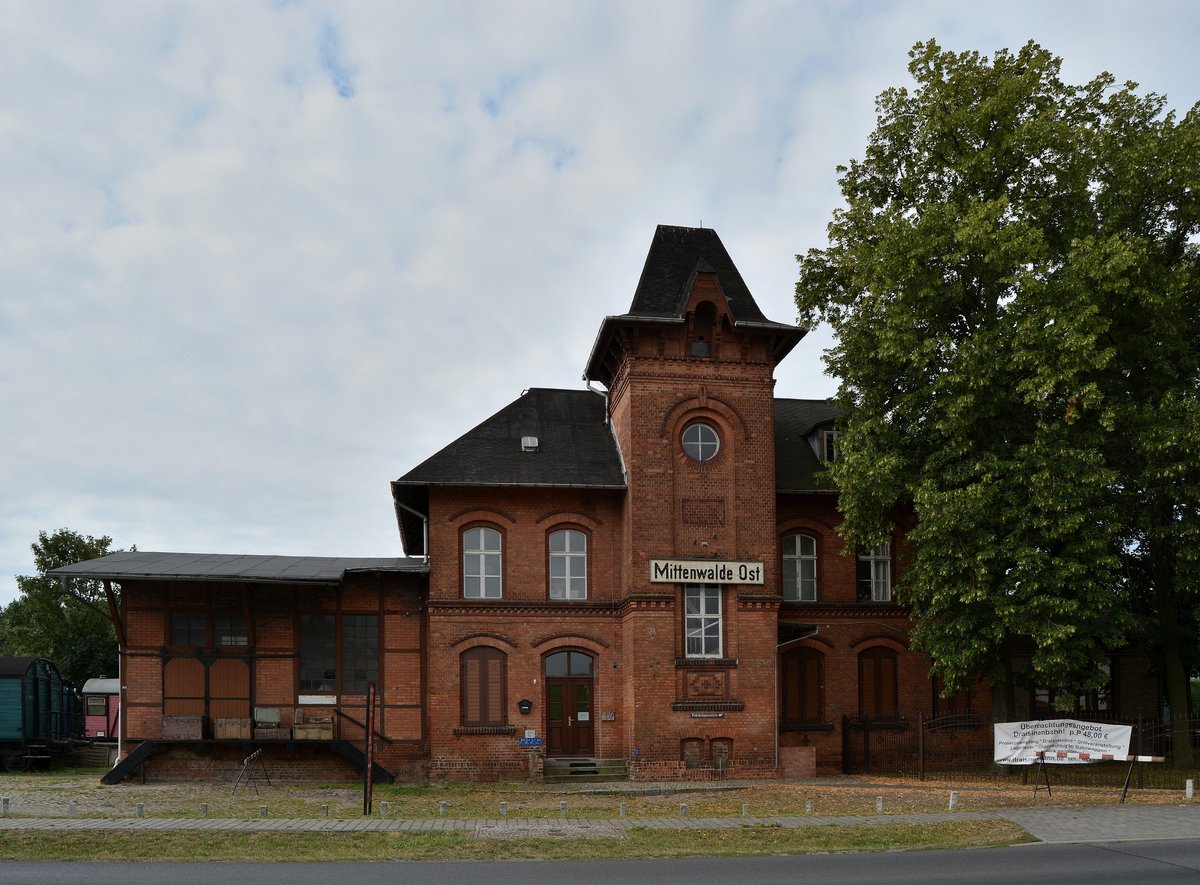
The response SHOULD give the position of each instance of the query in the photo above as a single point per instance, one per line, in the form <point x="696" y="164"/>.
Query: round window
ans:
<point x="700" y="441"/>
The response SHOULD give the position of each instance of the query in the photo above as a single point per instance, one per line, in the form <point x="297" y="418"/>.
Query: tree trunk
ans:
<point x="1175" y="674"/>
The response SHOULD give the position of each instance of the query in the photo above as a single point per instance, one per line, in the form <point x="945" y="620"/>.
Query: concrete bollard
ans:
<point x="71" y="809"/>
<point x="562" y="809"/>
<point x="383" y="809"/>
<point x="441" y="809"/>
<point x="808" y="807"/>
<point x="953" y="800"/>
<point x="683" y="809"/>
<point x="745" y="809"/>
<point x="621" y="811"/>
<point x="879" y="805"/>
<point x="4" y="806"/>
<point x="204" y="809"/>
<point x="325" y="811"/>
<point x="1187" y="789"/>
<point x="262" y="811"/>
<point x="504" y="809"/>
<point x="141" y="809"/>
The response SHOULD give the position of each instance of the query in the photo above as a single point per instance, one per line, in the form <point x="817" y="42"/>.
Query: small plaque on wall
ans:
<point x="329" y="699"/>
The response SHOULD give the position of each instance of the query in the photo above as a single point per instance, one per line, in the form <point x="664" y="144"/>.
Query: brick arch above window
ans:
<point x="888" y="640"/>
<point x="588" y="643"/>
<point x="479" y="636"/>
<point x="482" y="516"/>
<point x="704" y="408"/>
<point x="568" y="519"/>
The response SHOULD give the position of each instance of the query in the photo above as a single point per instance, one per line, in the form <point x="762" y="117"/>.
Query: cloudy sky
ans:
<point x="257" y="259"/>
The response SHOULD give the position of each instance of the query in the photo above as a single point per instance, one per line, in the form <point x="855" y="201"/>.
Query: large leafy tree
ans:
<point x="70" y="626"/>
<point x="1014" y="281"/>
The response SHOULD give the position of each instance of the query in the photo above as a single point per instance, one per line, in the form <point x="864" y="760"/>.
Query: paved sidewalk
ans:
<point x="1120" y="823"/>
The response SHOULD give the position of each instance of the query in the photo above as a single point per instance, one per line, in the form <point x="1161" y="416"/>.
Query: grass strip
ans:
<point x="635" y="843"/>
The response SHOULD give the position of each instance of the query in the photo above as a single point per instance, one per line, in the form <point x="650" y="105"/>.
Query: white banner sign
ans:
<point x="705" y="571"/>
<point x="1018" y="743"/>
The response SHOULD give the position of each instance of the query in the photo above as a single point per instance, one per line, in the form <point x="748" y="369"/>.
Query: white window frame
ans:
<point x="700" y="441"/>
<point x="568" y="566"/>
<point x="703" y="623"/>
<point x="830" y="445"/>
<point x="879" y="561"/>
<point x="798" y="586"/>
<point x="483" y="563"/>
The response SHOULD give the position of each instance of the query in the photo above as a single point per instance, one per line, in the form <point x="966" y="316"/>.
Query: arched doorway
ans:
<point x="569" y="692"/>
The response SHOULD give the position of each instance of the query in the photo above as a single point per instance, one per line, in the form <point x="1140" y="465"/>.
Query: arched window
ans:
<point x="568" y="564"/>
<point x="800" y="568"/>
<point x="802" y="687"/>
<point x="481" y="563"/>
<point x="878" y="683"/>
<point x="484" y="687"/>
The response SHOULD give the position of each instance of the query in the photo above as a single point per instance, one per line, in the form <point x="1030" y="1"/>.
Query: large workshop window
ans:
<point x="360" y="651"/>
<point x="319" y="655"/>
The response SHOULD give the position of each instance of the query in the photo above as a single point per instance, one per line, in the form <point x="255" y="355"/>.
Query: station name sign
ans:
<point x="705" y="571"/>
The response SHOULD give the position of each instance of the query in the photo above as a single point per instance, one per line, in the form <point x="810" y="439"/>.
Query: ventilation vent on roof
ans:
<point x="529" y="443"/>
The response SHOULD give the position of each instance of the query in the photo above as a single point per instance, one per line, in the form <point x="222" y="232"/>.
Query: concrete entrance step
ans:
<point x="583" y="769"/>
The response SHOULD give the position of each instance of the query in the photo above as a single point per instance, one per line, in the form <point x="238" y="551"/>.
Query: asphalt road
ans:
<point x="1064" y="864"/>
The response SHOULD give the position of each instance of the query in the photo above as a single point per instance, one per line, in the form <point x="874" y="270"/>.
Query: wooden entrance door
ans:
<point x="569" y="713"/>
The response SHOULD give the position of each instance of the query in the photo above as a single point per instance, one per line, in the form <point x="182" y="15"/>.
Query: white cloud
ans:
<point x="261" y="258"/>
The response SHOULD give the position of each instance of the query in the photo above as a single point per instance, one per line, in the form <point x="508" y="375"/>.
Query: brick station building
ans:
<point x="645" y="571"/>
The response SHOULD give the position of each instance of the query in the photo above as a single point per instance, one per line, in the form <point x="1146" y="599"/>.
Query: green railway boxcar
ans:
<point x="37" y="711"/>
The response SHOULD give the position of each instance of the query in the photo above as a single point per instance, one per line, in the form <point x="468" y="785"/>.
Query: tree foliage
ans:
<point x="71" y="629"/>
<point x="1014" y="281"/>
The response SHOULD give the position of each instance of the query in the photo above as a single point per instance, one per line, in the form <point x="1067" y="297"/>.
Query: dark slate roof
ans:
<point x="575" y="446"/>
<point x="224" y="567"/>
<point x="676" y="253"/>
<point x="797" y="468"/>
<point x="575" y="449"/>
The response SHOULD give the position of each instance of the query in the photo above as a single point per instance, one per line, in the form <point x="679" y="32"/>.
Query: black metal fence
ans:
<point x="946" y="747"/>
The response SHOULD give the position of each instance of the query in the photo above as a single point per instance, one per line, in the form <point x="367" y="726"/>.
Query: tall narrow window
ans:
<point x="875" y="574"/>
<point x="318" y="653"/>
<point x="568" y="564"/>
<point x="481" y="564"/>
<point x="802" y="688"/>
<point x="702" y="616"/>
<point x="800" y="568"/>
<point x="878" y="685"/>
<point x="360" y="651"/>
<point x="831" y="445"/>
<point x="483" y="687"/>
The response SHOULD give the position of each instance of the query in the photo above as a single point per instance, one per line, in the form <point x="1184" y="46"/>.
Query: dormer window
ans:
<point x="703" y="321"/>
<point x="830" y="445"/>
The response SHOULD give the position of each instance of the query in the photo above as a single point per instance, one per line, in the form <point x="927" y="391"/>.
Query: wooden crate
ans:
<point x="313" y="731"/>
<point x="231" y="729"/>
<point x="183" y="728"/>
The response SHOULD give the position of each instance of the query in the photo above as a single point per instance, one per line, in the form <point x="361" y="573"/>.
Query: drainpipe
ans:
<point x="424" y="530"/>
<point x="603" y="393"/>
<point x="815" y="630"/>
